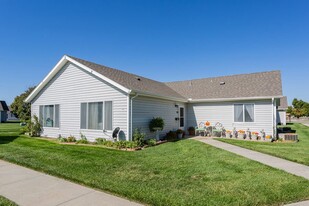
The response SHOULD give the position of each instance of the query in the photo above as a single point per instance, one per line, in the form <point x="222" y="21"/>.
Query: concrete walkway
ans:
<point x="27" y="187"/>
<point x="288" y="166"/>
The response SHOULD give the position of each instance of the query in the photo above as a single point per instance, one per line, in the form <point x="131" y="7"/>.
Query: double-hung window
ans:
<point x="243" y="112"/>
<point x="49" y="115"/>
<point x="96" y="115"/>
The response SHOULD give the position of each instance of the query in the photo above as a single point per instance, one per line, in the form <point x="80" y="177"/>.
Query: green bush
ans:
<point x="156" y="122"/>
<point x="33" y="127"/>
<point x="63" y="139"/>
<point x="139" y="137"/>
<point x="120" y="144"/>
<point x="151" y="142"/>
<point x="131" y="144"/>
<point x="100" y="141"/>
<point x="82" y="140"/>
<point x="109" y="144"/>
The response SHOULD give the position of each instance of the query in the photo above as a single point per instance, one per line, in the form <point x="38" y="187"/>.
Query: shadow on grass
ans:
<point x="8" y="139"/>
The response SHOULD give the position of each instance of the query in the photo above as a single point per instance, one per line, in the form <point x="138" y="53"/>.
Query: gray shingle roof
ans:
<point x="131" y="81"/>
<point x="262" y="84"/>
<point x="283" y="103"/>
<point x="3" y="106"/>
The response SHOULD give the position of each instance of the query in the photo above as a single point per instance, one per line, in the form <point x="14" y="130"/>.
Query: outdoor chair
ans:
<point x="217" y="129"/>
<point x="200" y="128"/>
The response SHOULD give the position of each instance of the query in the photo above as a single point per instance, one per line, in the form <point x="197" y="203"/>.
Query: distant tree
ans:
<point x="21" y="109"/>
<point x="289" y="110"/>
<point x="300" y="108"/>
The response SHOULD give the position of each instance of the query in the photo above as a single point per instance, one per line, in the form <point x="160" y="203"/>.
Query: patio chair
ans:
<point x="217" y="129"/>
<point x="200" y="128"/>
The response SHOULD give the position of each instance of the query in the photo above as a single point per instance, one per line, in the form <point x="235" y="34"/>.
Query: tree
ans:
<point x="300" y="108"/>
<point x="21" y="109"/>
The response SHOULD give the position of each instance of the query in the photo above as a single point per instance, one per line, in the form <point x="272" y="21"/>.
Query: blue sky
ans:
<point x="162" y="40"/>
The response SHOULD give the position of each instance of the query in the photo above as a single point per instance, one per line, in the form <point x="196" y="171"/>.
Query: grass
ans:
<point x="186" y="172"/>
<point x="6" y="202"/>
<point x="297" y="152"/>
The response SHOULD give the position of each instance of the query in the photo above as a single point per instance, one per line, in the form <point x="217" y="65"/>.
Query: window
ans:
<point x="93" y="113"/>
<point x="49" y="115"/>
<point x="181" y="117"/>
<point x="243" y="112"/>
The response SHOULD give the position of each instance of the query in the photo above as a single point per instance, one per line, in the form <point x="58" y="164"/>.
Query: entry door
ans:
<point x="181" y="117"/>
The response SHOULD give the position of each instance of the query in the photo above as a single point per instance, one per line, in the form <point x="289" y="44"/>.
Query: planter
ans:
<point x="179" y="135"/>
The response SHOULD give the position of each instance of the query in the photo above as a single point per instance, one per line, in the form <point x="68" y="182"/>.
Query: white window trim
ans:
<point x="103" y="117"/>
<point x="243" y="109"/>
<point x="54" y="116"/>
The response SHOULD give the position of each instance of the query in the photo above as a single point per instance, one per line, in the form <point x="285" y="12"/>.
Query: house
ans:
<point x="81" y="97"/>
<point x="11" y="116"/>
<point x="281" y="111"/>
<point x="3" y="111"/>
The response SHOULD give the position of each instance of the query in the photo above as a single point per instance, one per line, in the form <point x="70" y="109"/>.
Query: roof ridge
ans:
<point x="108" y="67"/>
<point x="232" y="75"/>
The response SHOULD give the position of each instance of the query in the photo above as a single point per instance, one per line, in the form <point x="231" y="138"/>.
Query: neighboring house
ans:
<point x="11" y="116"/>
<point x="3" y="111"/>
<point x="79" y="96"/>
<point x="281" y="111"/>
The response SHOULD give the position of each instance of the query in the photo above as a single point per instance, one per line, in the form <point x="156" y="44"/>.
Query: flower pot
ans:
<point x="179" y="135"/>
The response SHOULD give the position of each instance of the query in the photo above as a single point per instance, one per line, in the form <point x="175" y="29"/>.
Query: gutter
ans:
<point x="190" y="100"/>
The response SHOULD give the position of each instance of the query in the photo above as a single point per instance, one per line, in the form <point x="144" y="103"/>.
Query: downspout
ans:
<point x="131" y="118"/>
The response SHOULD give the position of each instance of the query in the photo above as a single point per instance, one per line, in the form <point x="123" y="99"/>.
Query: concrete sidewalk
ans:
<point x="28" y="187"/>
<point x="288" y="166"/>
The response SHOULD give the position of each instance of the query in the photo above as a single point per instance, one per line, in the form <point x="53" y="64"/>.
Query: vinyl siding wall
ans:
<point x="223" y="112"/>
<point x="145" y="108"/>
<point x="69" y="88"/>
<point x="281" y="117"/>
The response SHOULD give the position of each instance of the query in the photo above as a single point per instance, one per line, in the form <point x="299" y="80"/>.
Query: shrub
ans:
<point x="151" y="142"/>
<point x="131" y="144"/>
<point x="156" y="122"/>
<point x="34" y="127"/>
<point x="63" y="139"/>
<point x="82" y="140"/>
<point x="108" y="143"/>
<point x="100" y="141"/>
<point x="179" y="131"/>
<point x="71" y="138"/>
<point x="171" y="135"/>
<point x="120" y="144"/>
<point x="139" y="137"/>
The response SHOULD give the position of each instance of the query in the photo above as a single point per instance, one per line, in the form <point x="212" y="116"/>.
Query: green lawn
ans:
<point x="6" y="202"/>
<point x="297" y="152"/>
<point x="186" y="172"/>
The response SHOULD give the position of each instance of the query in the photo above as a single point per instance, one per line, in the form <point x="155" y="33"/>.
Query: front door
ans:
<point x="181" y="117"/>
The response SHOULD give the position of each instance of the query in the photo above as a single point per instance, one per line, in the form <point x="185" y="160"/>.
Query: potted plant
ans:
<point x="241" y="134"/>
<point x="228" y="133"/>
<point x="254" y="135"/>
<point x="179" y="133"/>
<point x="191" y="131"/>
<point x="156" y="124"/>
